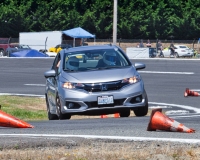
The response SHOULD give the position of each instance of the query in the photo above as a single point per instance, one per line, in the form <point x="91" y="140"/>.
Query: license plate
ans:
<point x="105" y="100"/>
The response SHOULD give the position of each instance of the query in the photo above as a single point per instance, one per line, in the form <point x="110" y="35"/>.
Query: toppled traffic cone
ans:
<point x="190" y="93"/>
<point x="159" y="121"/>
<point x="116" y="115"/>
<point x="104" y="116"/>
<point x="7" y="120"/>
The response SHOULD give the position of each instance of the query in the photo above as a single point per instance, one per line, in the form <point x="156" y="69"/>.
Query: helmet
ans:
<point x="109" y="58"/>
<point x="72" y="63"/>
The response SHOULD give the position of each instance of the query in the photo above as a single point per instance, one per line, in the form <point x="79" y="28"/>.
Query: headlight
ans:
<point x="70" y="85"/>
<point x="132" y="80"/>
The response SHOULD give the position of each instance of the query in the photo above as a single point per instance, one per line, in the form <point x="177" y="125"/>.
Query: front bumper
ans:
<point x="131" y="96"/>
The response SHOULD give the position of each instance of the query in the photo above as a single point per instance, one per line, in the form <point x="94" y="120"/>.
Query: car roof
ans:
<point x="180" y="45"/>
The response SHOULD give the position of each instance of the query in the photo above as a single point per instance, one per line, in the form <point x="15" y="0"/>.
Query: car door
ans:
<point x="166" y="52"/>
<point x="181" y="50"/>
<point x="52" y="85"/>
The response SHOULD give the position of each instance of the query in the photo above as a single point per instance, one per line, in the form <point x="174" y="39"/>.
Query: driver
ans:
<point x="109" y="58"/>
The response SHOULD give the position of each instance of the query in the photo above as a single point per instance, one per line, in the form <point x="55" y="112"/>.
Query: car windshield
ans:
<point x="95" y="60"/>
<point x="25" y="46"/>
<point x="183" y="47"/>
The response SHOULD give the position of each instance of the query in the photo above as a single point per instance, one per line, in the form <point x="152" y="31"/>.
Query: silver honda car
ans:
<point x="94" y="80"/>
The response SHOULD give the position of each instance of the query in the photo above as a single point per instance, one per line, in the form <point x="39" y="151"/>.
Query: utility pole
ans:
<point x="115" y="22"/>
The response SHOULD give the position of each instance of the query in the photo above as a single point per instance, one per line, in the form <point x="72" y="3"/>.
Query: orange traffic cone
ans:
<point x="190" y="93"/>
<point x="7" y="120"/>
<point x="116" y="115"/>
<point x="162" y="122"/>
<point x="104" y="116"/>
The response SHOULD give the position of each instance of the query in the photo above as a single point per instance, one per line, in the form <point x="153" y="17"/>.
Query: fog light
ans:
<point x="70" y="105"/>
<point x="138" y="99"/>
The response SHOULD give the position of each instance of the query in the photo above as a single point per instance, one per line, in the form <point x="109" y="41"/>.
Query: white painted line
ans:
<point x="194" y="90"/>
<point x="187" y="116"/>
<point x="166" y="72"/>
<point x="28" y="57"/>
<point x="43" y="85"/>
<point x="16" y="94"/>
<point x="103" y="137"/>
<point x="197" y="110"/>
<point x="154" y="107"/>
<point x="175" y="112"/>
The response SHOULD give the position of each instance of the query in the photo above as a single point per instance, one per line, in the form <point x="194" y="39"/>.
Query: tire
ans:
<point x="1" y="53"/>
<point x="125" y="113"/>
<point x="176" y="55"/>
<point x="142" y="111"/>
<point x="58" y="107"/>
<point x="50" y="116"/>
<point x="42" y="50"/>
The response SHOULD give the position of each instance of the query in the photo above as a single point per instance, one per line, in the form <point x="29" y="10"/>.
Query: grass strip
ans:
<point x="34" y="108"/>
<point x="25" y="108"/>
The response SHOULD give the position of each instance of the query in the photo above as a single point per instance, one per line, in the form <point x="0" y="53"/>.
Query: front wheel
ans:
<point x="50" y="115"/>
<point x="61" y="116"/>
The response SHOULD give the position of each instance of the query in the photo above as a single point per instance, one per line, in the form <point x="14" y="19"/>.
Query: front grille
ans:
<point x="94" y="104"/>
<point x="105" y="86"/>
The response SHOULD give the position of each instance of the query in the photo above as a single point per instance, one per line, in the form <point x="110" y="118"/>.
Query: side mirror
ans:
<point x="139" y="66"/>
<point x="50" y="73"/>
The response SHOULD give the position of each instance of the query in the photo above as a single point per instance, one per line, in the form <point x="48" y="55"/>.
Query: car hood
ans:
<point x="99" y="75"/>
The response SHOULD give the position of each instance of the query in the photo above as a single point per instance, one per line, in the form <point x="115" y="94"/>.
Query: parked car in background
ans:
<point x="59" y="47"/>
<point x="94" y="80"/>
<point x="51" y="54"/>
<point x="4" y="44"/>
<point x="16" y="48"/>
<point x="180" y="51"/>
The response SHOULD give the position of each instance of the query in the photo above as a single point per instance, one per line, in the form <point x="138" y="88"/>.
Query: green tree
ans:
<point x="138" y="19"/>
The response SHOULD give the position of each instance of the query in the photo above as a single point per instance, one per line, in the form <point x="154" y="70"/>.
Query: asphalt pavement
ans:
<point x="165" y="82"/>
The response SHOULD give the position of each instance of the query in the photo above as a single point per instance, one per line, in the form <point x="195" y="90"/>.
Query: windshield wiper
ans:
<point x="109" y="67"/>
<point x="115" y="66"/>
<point x="67" y="69"/>
<point x="91" y="68"/>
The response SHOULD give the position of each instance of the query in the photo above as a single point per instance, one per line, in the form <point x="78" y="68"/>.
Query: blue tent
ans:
<point x="28" y="53"/>
<point x="78" y="33"/>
